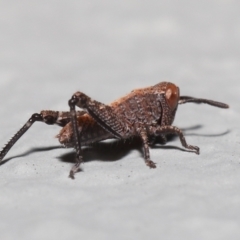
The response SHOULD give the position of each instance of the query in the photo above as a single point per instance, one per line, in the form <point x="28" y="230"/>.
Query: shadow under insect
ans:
<point x="114" y="150"/>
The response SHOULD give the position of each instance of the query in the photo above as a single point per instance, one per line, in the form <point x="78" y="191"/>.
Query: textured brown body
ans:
<point x="90" y="132"/>
<point x="141" y="108"/>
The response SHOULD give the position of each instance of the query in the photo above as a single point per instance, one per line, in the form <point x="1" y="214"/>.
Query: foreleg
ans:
<point x="173" y="130"/>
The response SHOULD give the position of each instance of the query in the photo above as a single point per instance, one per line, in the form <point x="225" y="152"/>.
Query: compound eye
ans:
<point x="172" y="95"/>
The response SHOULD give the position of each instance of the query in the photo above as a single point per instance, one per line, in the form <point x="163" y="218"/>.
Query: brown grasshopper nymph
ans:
<point x="145" y="113"/>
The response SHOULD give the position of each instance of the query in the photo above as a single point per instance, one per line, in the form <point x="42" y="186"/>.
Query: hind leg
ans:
<point x="47" y="116"/>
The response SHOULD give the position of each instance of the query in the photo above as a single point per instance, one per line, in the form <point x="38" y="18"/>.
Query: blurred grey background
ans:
<point x="50" y="49"/>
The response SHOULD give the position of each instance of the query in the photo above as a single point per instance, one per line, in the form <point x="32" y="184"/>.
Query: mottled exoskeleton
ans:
<point x="145" y="112"/>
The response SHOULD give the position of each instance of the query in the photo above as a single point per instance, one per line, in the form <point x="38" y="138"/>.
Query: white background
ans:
<point x="50" y="49"/>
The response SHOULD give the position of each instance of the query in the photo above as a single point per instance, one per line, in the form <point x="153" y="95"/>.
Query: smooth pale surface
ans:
<point x="50" y="49"/>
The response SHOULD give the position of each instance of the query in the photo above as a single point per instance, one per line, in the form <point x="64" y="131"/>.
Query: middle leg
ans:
<point x="144" y="137"/>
